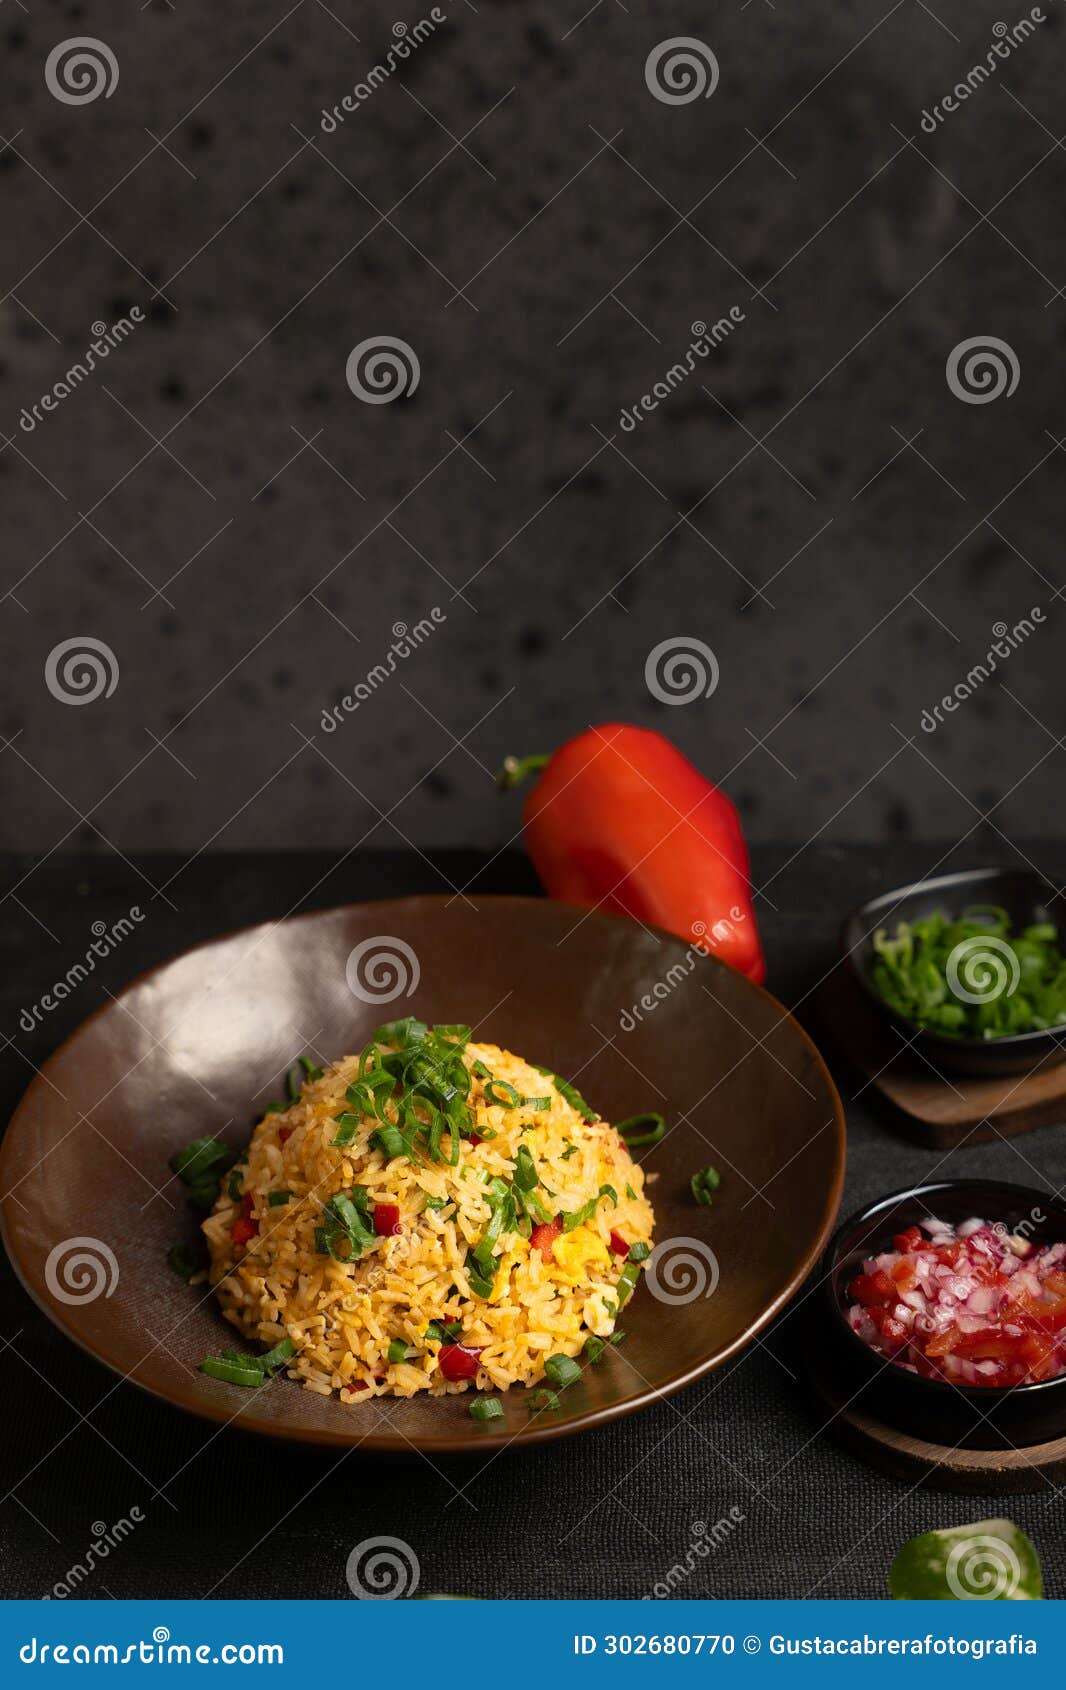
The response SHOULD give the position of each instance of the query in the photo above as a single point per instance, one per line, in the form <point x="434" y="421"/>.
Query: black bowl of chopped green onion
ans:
<point x="970" y="968"/>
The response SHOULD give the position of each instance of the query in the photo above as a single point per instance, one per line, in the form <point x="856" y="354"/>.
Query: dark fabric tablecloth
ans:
<point x="606" y="1514"/>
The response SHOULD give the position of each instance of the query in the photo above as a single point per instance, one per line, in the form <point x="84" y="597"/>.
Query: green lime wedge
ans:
<point x="990" y="1561"/>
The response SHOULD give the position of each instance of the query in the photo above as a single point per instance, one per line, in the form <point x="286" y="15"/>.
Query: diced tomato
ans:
<point x="241" y="1231"/>
<point x="912" y="1239"/>
<point x="387" y="1220"/>
<point x="458" y="1362"/>
<point x="950" y="1254"/>
<point x="893" y="1331"/>
<point x="904" y="1275"/>
<point x="869" y="1289"/>
<point x="543" y="1237"/>
<point x="474" y="1141"/>
<point x="618" y="1244"/>
<point x="247" y="1203"/>
<point x="283" y="1134"/>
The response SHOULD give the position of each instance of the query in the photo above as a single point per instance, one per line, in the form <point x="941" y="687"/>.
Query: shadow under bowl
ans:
<point x="1026" y="897"/>
<point x="955" y="1416"/>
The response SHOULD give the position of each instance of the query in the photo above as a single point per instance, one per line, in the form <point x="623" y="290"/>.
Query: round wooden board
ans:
<point x="1001" y="1472"/>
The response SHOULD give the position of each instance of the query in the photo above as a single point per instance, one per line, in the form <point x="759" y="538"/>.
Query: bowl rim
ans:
<point x="987" y="1393"/>
<point x="931" y="1035"/>
<point x="391" y="1442"/>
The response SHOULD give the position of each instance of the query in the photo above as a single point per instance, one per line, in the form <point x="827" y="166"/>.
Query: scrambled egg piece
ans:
<point x="577" y="1250"/>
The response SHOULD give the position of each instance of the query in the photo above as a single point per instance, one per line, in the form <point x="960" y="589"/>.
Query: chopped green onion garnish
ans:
<point x="275" y="1199"/>
<point x="486" y="1408"/>
<point x="538" y="1400"/>
<point x="639" y="1252"/>
<point x="571" y="1150"/>
<point x="569" y="1092"/>
<point x="398" y="1350"/>
<point x="509" y="1098"/>
<point x="182" y="1258"/>
<point x="525" y="1170"/>
<point x="594" y="1347"/>
<point x="309" y="1068"/>
<point x="630" y="1193"/>
<point x="705" y="1183"/>
<point x="436" y="1202"/>
<point x="627" y="1282"/>
<point x="200" y="1167"/>
<point x="278" y="1356"/>
<point x="641" y="1129"/>
<point x="562" y="1371"/>
<point x="232" y="1372"/>
<point x="347" y="1127"/>
<point x="443" y="1331"/>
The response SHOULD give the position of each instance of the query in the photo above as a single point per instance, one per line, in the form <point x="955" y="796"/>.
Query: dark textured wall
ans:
<point x="814" y="504"/>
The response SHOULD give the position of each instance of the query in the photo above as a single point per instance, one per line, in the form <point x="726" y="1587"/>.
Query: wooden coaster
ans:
<point x="940" y="1111"/>
<point x="1000" y="1472"/>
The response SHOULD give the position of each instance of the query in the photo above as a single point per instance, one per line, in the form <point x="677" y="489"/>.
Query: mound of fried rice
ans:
<point x="342" y="1315"/>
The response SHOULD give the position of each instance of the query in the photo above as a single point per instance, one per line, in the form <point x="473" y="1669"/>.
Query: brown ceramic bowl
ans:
<point x="196" y="1045"/>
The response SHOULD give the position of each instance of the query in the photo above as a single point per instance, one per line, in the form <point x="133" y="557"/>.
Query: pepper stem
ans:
<point x="516" y="769"/>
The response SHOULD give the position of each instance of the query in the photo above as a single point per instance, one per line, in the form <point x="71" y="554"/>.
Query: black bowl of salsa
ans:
<point x="942" y="1410"/>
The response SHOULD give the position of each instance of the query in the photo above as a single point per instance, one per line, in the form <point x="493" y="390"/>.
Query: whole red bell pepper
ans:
<point x="620" y="820"/>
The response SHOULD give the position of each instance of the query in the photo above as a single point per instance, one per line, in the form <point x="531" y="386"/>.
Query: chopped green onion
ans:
<point x="641" y="1129"/>
<point x="200" y="1167"/>
<point x="594" y="1348"/>
<point x="971" y="976"/>
<point x="182" y="1258"/>
<point x="627" y="1282"/>
<point x="630" y="1193"/>
<point x="705" y="1183"/>
<point x="278" y="1356"/>
<point x="562" y="1371"/>
<point x="569" y="1092"/>
<point x="391" y="1142"/>
<point x="444" y="1331"/>
<point x="231" y="1372"/>
<point x="275" y="1199"/>
<point x="347" y="1127"/>
<point x="486" y="1408"/>
<point x="571" y="1150"/>
<point x="436" y="1202"/>
<point x="309" y="1068"/>
<point x="510" y="1098"/>
<point x="525" y="1170"/>
<point x="398" y="1350"/>
<point x="538" y="1400"/>
<point x="639" y="1252"/>
<point x="578" y="1217"/>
